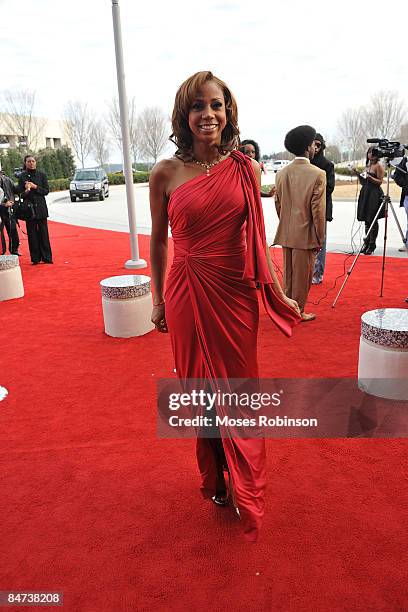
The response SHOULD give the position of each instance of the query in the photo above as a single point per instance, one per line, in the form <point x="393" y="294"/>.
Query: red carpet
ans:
<point x="94" y="505"/>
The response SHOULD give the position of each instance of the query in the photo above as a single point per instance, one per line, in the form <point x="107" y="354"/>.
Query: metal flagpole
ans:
<point x="135" y="262"/>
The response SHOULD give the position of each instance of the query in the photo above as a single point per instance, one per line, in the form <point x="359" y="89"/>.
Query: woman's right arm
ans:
<point x="158" y="240"/>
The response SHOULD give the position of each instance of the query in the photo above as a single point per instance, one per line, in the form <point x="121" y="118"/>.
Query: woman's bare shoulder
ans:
<point x="165" y="168"/>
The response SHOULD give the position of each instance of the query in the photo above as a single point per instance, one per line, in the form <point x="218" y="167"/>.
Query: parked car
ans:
<point x="89" y="183"/>
<point x="278" y="164"/>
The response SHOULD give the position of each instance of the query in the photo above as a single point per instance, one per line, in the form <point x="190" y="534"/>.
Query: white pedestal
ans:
<point x="11" y="283"/>
<point x="383" y="371"/>
<point x="383" y="356"/>
<point x="127" y="305"/>
<point x="127" y="318"/>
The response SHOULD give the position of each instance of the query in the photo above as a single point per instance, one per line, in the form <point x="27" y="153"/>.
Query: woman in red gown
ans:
<point x="209" y="193"/>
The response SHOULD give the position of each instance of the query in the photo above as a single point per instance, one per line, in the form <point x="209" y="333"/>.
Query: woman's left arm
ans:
<point x="378" y="179"/>
<point x="292" y="303"/>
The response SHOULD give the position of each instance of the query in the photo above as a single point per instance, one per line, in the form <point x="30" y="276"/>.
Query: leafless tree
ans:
<point x="153" y="128"/>
<point x="100" y="143"/>
<point x="403" y="134"/>
<point x="18" y="108"/>
<point x="113" y="120"/>
<point x="79" y="126"/>
<point x="351" y="131"/>
<point x="385" y="115"/>
<point x="333" y="153"/>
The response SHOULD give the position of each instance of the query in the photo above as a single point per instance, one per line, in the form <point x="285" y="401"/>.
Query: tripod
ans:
<point x="385" y="204"/>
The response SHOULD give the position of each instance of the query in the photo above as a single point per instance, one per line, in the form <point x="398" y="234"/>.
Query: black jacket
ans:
<point x="401" y="179"/>
<point x="35" y="196"/>
<point x="9" y="189"/>
<point x="325" y="164"/>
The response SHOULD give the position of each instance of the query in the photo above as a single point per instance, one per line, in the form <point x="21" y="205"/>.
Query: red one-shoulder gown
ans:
<point x="212" y="307"/>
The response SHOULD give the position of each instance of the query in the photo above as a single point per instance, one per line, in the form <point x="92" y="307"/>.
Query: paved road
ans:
<point x="112" y="215"/>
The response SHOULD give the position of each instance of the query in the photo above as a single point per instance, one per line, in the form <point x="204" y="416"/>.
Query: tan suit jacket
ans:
<point x="300" y="202"/>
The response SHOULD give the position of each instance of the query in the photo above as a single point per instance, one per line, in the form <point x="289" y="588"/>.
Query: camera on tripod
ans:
<point x="390" y="149"/>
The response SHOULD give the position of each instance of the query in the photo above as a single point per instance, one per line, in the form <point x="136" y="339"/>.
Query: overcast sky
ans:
<point x="288" y="61"/>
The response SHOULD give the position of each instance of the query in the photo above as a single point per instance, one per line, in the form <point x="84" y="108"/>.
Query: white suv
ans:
<point x="278" y="164"/>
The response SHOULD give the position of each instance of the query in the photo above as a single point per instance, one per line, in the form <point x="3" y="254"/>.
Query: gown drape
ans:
<point x="212" y="308"/>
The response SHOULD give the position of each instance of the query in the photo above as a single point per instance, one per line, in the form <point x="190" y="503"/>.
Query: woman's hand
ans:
<point x="272" y="191"/>
<point x="159" y="318"/>
<point x="291" y="303"/>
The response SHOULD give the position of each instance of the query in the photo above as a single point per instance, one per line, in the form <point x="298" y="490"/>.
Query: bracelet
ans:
<point x="160" y="303"/>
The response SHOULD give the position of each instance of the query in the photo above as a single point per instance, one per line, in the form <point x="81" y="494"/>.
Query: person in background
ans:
<point x="370" y="198"/>
<point x="320" y="161"/>
<point x="33" y="187"/>
<point x="300" y="202"/>
<point x="400" y="177"/>
<point x="251" y="148"/>
<point x="7" y="216"/>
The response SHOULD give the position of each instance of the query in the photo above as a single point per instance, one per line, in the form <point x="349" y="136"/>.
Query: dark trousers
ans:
<point x="10" y="224"/>
<point x="38" y="240"/>
<point x="372" y="237"/>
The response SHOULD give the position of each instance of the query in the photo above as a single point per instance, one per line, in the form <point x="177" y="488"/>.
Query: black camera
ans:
<point x="387" y="148"/>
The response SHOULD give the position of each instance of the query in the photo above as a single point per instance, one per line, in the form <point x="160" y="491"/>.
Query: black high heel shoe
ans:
<point x="221" y="497"/>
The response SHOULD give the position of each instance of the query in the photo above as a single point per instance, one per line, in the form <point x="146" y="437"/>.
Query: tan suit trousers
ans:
<point x="298" y="267"/>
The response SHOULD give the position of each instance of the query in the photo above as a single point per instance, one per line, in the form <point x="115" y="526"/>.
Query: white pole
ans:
<point x="135" y="262"/>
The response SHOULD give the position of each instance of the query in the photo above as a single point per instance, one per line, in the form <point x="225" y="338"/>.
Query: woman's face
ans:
<point x="317" y="146"/>
<point x="30" y="163"/>
<point x="371" y="157"/>
<point x="207" y="116"/>
<point x="249" y="150"/>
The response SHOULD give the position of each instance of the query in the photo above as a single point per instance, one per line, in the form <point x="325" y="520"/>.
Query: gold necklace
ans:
<point x="207" y="165"/>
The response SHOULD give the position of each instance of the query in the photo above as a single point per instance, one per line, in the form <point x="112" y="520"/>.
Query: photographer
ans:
<point x="401" y="179"/>
<point x="33" y="187"/>
<point x="7" y="215"/>
<point x="370" y="198"/>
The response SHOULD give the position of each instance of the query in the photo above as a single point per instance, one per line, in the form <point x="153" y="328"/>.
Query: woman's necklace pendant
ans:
<point x="207" y="166"/>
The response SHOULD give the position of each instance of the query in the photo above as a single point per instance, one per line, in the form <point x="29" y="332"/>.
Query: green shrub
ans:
<point x="141" y="177"/>
<point x="56" y="163"/>
<point x="346" y="171"/>
<point x="59" y="184"/>
<point x="116" y="179"/>
<point x="119" y="178"/>
<point x="10" y="159"/>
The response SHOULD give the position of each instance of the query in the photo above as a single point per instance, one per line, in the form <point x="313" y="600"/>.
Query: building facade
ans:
<point x="35" y="133"/>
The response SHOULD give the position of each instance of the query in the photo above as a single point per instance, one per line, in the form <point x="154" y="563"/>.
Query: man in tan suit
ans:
<point x="300" y="202"/>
